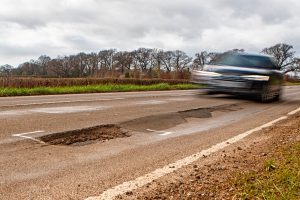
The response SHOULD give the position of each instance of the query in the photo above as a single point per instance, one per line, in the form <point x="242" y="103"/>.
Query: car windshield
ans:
<point x="244" y="61"/>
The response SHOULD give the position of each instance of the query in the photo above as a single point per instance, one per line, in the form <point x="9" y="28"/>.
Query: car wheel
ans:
<point x="277" y="96"/>
<point x="266" y="94"/>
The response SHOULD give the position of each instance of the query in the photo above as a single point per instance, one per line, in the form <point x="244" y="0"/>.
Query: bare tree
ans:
<point x="143" y="58"/>
<point x="283" y="54"/>
<point x="43" y="61"/>
<point x="166" y="59"/>
<point x="106" y="61"/>
<point x="30" y="68"/>
<point x="295" y="67"/>
<point x="200" y="60"/>
<point x="6" y="70"/>
<point x="158" y="59"/>
<point x="124" y="61"/>
<point x="181" y="61"/>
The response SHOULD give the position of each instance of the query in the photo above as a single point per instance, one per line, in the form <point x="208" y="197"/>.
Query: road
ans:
<point x="161" y="128"/>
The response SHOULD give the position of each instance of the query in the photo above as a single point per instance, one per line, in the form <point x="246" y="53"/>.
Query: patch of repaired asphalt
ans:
<point x="110" y="131"/>
<point x="169" y="120"/>
<point x="85" y="136"/>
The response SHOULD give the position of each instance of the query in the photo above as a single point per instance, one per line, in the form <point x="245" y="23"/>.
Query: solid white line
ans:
<point x="148" y="178"/>
<point x="31" y="138"/>
<point x="294" y="111"/>
<point x="27" y="133"/>
<point x="24" y="135"/>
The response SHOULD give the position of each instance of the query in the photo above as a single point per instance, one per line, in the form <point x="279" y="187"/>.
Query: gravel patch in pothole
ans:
<point x="85" y="136"/>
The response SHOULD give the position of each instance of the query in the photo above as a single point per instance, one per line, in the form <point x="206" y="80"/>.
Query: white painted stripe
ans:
<point x="57" y="102"/>
<point x="32" y="138"/>
<point x="150" y="102"/>
<point x="294" y="111"/>
<point x="25" y="135"/>
<point x="166" y="133"/>
<point x="163" y="133"/>
<point x="148" y="178"/>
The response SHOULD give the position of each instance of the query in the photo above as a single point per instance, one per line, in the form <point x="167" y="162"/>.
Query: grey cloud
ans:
<point x="61" y="27"/>
<point x="275" y="11"/>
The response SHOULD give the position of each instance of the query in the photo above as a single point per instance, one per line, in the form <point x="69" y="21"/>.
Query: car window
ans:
<point x="245" y="61"/>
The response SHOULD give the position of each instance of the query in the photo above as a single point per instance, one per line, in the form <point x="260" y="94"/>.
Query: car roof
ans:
<point x="252" y="54"/>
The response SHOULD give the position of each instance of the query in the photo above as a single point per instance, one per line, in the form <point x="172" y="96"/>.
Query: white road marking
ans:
<point x="294" y="111"/>
<point x="152" y="102"/>
<point x="67" y="109"/>
<point x="166" y="133"/>
<point x="53" y="110"/>
<point x="141" y="181"/>
<point x="179" y="99"/>
<point x="25" y="135"/>
<point x="57" y="102"/>
<point x="162" y="133"/>
<point x="13" y="112"/>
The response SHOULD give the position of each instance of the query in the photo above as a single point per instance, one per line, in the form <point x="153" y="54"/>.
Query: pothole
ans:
<point x="85" y="136"/>
<point x="169" y="120"/>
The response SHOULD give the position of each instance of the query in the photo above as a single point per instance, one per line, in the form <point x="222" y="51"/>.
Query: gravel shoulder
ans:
<point x="218" y="176"/>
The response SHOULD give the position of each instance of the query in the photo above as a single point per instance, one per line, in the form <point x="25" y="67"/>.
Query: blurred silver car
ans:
<point x="240" y="73"/>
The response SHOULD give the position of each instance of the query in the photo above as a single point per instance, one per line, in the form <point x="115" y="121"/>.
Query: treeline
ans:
<point x="140" y="63"/>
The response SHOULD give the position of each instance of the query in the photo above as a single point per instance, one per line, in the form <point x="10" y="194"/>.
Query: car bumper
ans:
<point x="230" y="84"/>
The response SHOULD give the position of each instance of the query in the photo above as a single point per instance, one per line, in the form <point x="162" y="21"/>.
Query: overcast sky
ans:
<point x="30" y="28"/>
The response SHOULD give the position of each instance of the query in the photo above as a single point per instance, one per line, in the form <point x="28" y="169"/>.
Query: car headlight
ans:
<point x="256" y="77"/>
<point x="206" y="73"/>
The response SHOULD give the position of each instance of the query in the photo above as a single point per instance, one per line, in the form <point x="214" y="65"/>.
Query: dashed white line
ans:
<point x="141" y="181"/>
<point x="57" y="102"/>
<point x="162" y="133"/>
<point x="166" y="133"/>
<point x="151" y="102"/>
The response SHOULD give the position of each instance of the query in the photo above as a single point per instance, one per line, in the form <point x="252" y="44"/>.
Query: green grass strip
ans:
<point x="279" y="181"/>
<point x="291" y="83"/>
<point x="92" y="89"/>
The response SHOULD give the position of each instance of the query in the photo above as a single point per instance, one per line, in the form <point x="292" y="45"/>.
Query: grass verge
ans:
<point x="93" y="89"/>
<point x="280" y="178"/>
<point x="291" y="83"/>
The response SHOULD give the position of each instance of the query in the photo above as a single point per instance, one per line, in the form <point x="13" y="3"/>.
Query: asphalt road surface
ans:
<point x="41" y="156"/>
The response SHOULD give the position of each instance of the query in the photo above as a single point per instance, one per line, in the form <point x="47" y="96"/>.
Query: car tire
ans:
<point x="277" y="96"/>
<point x="266" y="94"/>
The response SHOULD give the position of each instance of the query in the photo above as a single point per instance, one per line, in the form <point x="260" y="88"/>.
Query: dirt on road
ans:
<point x="217" y="176"/>
<point x="86" y="135"/>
